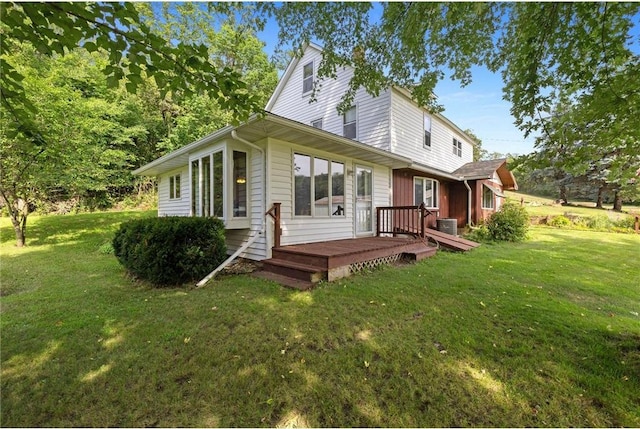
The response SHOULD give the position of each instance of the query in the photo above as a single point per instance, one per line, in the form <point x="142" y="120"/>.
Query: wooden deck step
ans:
<point x="296" y="270"/>
<point x="419" y="255"/>
<point x="451" y="242"/>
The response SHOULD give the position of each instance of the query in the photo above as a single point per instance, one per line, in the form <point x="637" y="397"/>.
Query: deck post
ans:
<point x="423" y="209"/>
<point x="377" y="221"/>
<point x="274" y="212"/>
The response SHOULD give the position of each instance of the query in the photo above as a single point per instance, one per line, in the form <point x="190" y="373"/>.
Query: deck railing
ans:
<point x="402" y="220"/>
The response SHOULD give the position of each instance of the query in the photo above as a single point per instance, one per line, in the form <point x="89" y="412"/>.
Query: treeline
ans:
<point x="85" y="136"/>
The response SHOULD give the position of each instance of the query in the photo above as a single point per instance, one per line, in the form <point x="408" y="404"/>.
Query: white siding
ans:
<point x="407" y="137"/>
<point x="178" y="206"/>
<point x="235" y="238"/>
<point x="373" y="112"/>
<point x="307" y="229"/>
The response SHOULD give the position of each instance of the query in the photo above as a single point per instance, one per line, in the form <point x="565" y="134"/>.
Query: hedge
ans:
<point x="170" y="250"/>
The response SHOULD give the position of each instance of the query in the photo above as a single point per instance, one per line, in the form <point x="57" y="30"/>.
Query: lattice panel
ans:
<point x="367" y="265"/>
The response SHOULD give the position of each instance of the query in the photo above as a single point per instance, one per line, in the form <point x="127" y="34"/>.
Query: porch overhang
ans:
<point x="268" y="125"/>
<point x="482" y="170"/>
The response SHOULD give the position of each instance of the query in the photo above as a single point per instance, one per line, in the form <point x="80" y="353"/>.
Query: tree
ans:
<point x="578" y="56"/>
<point x="543" y="50"/>
<point x="59" y="136"/>
<point x="231" y="44"/>
<point x="74" y="107"/>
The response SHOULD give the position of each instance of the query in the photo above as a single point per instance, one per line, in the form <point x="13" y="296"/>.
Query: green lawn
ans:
<point x="542" y="333"/>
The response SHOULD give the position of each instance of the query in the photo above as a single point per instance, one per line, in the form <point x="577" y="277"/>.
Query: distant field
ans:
<point x="541" y="206"/>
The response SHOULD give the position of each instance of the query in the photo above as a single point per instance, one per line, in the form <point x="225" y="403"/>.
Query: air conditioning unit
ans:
<point x="449" y="226"/>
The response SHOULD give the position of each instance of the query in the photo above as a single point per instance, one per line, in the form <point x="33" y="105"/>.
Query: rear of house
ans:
<point x="326" y="171"/>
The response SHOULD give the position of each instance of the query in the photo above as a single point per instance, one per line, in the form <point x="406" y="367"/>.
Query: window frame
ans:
<point x="354" y="122"/>
<point x="208" y="184"/>
<point x="175" y="187"/>
<point x="435" y="191"/>
<point x="457" y="147"/>
<point x="236" y="181"/>
<point x="307" y="79"/>
<point x="426" y="138"/>
<point x="487" y="191"/>
<point x="312" y="189"/>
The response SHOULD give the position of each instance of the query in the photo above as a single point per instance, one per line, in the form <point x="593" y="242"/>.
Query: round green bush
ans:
<point x="170" y="250"/>
<point x="510" y="223"/>
<point x="559" y="221"/>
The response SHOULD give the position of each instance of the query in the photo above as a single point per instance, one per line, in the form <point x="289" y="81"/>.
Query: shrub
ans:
<point x="510" y="223"/>
<point x="559" y="221"/>
<point x="599" y="222"/>
<point x="170" y="250"/>
<point x="479" y="233"/>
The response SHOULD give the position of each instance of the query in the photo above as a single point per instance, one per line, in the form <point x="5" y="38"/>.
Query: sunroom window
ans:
<point x="207" y="185"/>
<point x="239" y="184"/>
<point x="318" y="186"/>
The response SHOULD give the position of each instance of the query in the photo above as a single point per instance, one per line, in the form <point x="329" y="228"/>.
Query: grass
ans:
<point x="541" y="333"/>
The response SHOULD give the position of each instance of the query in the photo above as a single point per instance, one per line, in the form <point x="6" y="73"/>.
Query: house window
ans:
<point x="457" y="147"/>
<point x="307" y="78"/>
<point x="321" y="187"/>
<point x="239" y="184"/>
<point x="317" y="123"/>
<point x="427" y="131"/>
<point x="350" y="123"/>
<point x="207" y="185"/>
<point x="174" y="187"/>
<point x="487" y="197"/>
<point x="425" y="191"/>
<point x="318" y="186"/>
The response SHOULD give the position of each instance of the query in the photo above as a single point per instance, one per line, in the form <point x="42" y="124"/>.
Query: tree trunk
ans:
<point x="563" y="195"/>
<point x="599" y="200"/>
<point x="617" y="202"/>
<point x="18" y="211"/>
<point x="19" y="228"/>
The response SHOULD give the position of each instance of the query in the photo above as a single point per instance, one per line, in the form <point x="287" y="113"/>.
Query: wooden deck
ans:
<point x="302" y="265"/>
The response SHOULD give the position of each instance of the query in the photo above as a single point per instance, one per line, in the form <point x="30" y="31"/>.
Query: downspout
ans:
<point x="263" y="203"/>
<point x="468" y="202"/>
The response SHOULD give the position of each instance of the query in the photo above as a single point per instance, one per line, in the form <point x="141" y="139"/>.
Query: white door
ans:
<point x="364" y="200"/>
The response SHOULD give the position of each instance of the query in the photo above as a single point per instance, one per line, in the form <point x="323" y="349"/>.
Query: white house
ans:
<point x="327" y="172"/>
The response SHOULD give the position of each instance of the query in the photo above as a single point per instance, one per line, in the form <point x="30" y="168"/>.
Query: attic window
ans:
<point x="457" y="147"/>
<point x="307" y="78"/>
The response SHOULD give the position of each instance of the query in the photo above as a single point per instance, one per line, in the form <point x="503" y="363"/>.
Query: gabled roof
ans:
<point x="286" y="75"/>
<point x="407" y="93"/>
<point x="485" y="169"/>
